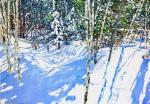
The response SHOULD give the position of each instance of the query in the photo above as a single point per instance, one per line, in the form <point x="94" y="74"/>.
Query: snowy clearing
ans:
<point x="58" y="76"/>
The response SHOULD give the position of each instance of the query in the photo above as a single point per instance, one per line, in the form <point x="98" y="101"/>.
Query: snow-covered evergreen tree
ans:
<point x="56" y="26"/>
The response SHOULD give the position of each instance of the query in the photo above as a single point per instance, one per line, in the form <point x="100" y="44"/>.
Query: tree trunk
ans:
<point x="54" y="5"/>
<point x="103" y="23"/>
<point x="89" y="32"/>
<point x="2" y="22"/>
<point x="134" y="17"/>
<point x="5" y="21"/>
<point x="47" y="43"/>
<point x="87" y="67"/>
<point x="17" y="27"/>
<point x="146" y="32"/>
<point x="100" y="38"/>
<point x="95" y="51"/>
<point x="114" y="33"/>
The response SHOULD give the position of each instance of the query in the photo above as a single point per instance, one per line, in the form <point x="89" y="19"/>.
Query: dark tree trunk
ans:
<point x="114" y="33"/>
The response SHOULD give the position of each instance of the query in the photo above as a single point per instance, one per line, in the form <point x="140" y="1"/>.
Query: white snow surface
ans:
<point x="58" y="76"/>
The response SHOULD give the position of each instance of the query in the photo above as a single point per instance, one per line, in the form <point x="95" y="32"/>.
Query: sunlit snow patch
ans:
<point x="3" y="101"/>
<point x="14" y="97"/>
<point x="57" y="92"/>
<point x="6" y="89"/>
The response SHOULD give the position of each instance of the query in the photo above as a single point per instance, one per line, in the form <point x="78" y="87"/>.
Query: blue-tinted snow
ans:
<point x="38" y="83"/>
<point x="49" y="77"/>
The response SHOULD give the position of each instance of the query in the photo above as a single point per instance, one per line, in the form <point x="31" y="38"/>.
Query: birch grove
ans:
<point x="84" y="33"/>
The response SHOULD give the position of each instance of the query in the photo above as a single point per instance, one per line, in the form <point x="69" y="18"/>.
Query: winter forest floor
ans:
<point x="58" y="76"/>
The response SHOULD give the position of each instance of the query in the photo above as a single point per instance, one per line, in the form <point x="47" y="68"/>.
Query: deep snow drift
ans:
<point x="58" y="76"/>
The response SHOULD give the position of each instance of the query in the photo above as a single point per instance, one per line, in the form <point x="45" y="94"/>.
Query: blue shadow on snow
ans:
<point x="140" y="82"/>
<point x="36" y="87"/>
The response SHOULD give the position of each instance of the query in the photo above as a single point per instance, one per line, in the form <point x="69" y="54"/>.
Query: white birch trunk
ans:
<point x="16" y="44"/>
<point x="5" y="21"/>
<point x="54" y="4"/>
<point x="89" y="31"/>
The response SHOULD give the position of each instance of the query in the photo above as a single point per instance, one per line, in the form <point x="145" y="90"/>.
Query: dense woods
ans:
<point x="97" y="23"/>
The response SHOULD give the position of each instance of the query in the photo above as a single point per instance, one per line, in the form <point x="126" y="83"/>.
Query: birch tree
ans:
<point x="99" y="38"/>
<point x="89" y="13"/>
<point x="2" y="20"/>
<point x="5" y="19"/>
<point x="137" y="13"/>
<point x="16" y="42"/>
<point x="146" y="29"/>
<point x="54" y="5"/>
<point x="88" y="52"/>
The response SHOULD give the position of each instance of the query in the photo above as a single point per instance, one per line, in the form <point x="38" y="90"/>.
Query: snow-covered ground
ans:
<point x="58" y="76"/>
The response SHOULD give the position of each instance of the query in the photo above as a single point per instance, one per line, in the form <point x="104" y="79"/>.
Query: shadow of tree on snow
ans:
<point x="138" y="88"/>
